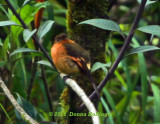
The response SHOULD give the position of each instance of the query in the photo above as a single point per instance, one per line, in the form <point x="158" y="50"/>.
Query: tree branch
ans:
<point x="83" y="96"/>
<point x="34" y="65"/>
<point x="43" y="75"/>
<point x="122" y="52"/>
<point x="24" y="115"/>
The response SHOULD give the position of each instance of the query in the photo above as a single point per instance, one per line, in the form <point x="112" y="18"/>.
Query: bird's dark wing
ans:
<point x="81" y="57"/>
<point x="77" y="51"/>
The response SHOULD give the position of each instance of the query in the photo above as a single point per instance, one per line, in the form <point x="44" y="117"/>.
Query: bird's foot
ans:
<point x="66" y="77"/>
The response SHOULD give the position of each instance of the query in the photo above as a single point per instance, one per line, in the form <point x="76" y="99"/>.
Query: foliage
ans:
<point x="132" y="93"/>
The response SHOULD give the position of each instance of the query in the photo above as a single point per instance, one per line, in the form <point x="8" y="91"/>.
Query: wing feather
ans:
<point x="73" y="49"/>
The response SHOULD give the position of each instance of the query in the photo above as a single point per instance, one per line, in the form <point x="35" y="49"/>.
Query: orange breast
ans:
<point x="57" y="51"/>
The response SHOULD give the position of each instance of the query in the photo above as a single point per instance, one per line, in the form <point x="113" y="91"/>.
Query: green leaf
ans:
<point x="44" y="28"/>
<point x="26" y="16"/>
<point x="103" y="24"/>
<point x="43" y="62"/>
<point x="152" y="36"/>
<point x="99" y="65"/>
<point x="156" y="103"/>
<point x="14" y="4"/>
<point x="2" y="63"/>
<point x="111" y="103"/>
<point x="42" y="4"/>
<point x="5" y="112"/>
<point x="120" y="78"/>
<point x="155" y="79"/>
<point x="133" y="117"/>
<point x="143" y="77"/>
<point x="8" y="23"/>
<point x="107" y="110"/>
<point x="148" y="2"/>
<point x="27" y="106"/>
<point x="143" y="49"/>
<point x="2" y="8"/>
<point x="5" y="48"/>
<point x="23" y="72"/>
<point x="25" y="2"/>
<point x="50" y="12"/>
<point x="21" y="50"/>
<point x="27" y="34"/>
<point x="1" y="44"/>
<point x="151" y="29"/>
<point x="100" y="109"/>
<point x="60" y="20"/>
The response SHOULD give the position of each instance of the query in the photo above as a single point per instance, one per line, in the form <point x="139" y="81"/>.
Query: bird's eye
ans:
<point x="58" y="39"/>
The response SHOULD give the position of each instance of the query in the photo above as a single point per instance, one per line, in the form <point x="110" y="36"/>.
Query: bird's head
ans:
<point x="60" y="37"/>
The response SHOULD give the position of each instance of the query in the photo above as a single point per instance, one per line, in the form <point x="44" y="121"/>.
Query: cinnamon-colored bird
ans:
<point x="70" y="58"/>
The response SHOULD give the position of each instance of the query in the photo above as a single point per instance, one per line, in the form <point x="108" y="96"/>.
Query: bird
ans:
<point x="70" y="58"/>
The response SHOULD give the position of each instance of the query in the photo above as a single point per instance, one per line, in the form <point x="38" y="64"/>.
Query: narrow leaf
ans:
<point x="152" y="36"/>
<point x="111" y="103"/>
<point x="148" y="2"/>
<point x="5" y="111"/>
<point x="107" y="110"/>
<point x="25" y="2"/>
<point x="142" y="49"/>
<point x="99" y="65"/>
<point x="143" y="78"/>
<point x="156" y="103"/>
<point x="151" y="29"/>
<point x="27" y="106"/>
<point x="2" y="63"/>
<point x="42" y="4"/>
<point x="44" y="28"/>
<point x="2" y="8"/>
<point x="21" y="50"/>
<point x="1" y="44"/>
<point x="103" y="24"/>
<point x="43" y="62"/>
<point x="8" y="23"/>
<point x="27" y="34"/>
<point x="14" y="3"/>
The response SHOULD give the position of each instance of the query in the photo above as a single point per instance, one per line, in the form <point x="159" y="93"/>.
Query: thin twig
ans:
<point x="122" y="52"/>
<point x="24" y="115"/>
<point x="33" y="36"/>
<point x="47" y="90"/>
<point x="83" y="96"/>
<point x="32" y="78"/>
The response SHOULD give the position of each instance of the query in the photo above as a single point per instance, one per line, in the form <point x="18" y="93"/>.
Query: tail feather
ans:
<point x="83" y="67"/>
<point x="87" y="71"/>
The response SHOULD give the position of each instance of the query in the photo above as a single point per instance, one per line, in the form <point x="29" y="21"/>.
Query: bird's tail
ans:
<point x="88" y="73"/>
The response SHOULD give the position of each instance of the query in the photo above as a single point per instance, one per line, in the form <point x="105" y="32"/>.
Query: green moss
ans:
<point x="64" y="101"/>
<point x="80" y="10"/>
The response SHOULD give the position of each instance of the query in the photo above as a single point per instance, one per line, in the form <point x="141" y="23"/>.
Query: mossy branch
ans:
<point x="73" y="84"/>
